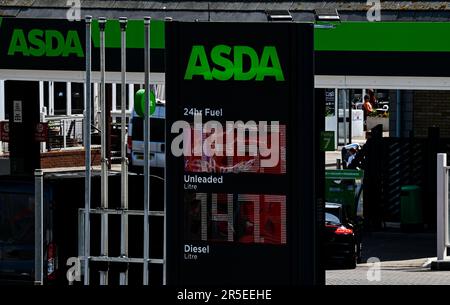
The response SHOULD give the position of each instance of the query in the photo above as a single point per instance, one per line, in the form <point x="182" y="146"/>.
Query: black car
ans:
<point x="342" y="242"/>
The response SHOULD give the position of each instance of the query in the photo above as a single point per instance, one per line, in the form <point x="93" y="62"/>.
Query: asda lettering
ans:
<point x="226" y="63"/>
<point x="49" y="43"/>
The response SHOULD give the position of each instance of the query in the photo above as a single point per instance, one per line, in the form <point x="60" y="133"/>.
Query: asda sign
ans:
<point x="226" y="62"/>
<point x="50" y="43"/>
<point x="42" y="44"/>
<point x="59" y="44"/>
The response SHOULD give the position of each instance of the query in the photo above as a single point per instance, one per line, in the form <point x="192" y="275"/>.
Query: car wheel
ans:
<point x="352" y="260"/>
<point x="350" y="263"/>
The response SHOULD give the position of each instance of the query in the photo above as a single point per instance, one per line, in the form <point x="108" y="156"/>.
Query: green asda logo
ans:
<point x="45" y="43"/>
<point x="227" y="63"/>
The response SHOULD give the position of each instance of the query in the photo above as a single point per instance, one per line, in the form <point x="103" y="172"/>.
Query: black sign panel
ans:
<point x="22" y="102"/>
<point x="241" y="200"/>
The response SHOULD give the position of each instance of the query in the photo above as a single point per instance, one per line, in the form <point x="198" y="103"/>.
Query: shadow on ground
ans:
<point x="397" y="246"/>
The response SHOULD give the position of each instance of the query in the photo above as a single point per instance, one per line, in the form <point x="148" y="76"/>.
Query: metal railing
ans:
<point x="64" y="132"/>
<point x="442" y="187"/>
<point x="116" y="114"/>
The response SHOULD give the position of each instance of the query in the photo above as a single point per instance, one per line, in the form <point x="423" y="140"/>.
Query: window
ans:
<point x="77" y="98"/>
<point x="46" y="97"/>
<point x="329" y="217"/>
<point x="119" y="97"/>
<point x="60" y="98"/>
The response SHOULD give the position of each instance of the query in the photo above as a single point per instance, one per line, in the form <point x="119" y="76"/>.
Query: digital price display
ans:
<point x="241" y="153"/>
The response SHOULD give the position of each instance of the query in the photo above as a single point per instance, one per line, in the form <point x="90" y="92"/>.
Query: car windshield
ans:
<point x="332" y="218"/>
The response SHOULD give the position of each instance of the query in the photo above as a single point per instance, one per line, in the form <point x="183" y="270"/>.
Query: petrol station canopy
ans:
<point x="404" y="54"/>
<point x="227" y="10"/>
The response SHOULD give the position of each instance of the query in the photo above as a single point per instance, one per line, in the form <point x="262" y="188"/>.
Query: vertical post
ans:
<point x="123" y="141"/>
<point x="69" y="98"/>
<point x="146" y="147"/>
<point x="114" y="97"/>
<point x="350" y="118"/>
<point x="41" y="110"/>
<point x="87" y="149"/>
<point x="104" y="160"/>
<point x="42" y="119"/>
<point x="41" y="96"/>
<point x="130" y="97"/>
<point x="38" y="227"/>
<point x="344" y="108"/>
<point x="167" y="19"/>
<point x="64" y="133"/>
<point x="2" y="100"/>
<point x="398" y="115"/>
<point x="336" y="110"/>
<point x="442" y="204"/>
<point x="2" y="107"/>
<point x="51" y="98"/>
<point x="96" y="112"/>
<point x="343" y="102"/>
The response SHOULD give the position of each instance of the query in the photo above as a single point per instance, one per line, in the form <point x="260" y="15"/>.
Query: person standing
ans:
<point x="372" y="99"/>
<point x="367" y="107"/>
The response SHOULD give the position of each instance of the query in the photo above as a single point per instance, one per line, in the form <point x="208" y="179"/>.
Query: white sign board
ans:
<point x="17" y="111"/>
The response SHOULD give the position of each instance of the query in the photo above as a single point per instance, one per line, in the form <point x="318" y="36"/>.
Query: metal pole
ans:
<point x="167" y="19"/>
<point x="104" y="161"/>
<point x="64" y="133"/>
<point x="87" y="148"/>
<point x="398" y="116"/>
<point x="2" y="108"/>
<point x="446" y="217"/>
<point x="38" y="227"/>
<point x="350" y="118"/>
<point x="341" y="101"/>
<point x="124" y="160"/>
<point x="344" y="108"/>
<point x="42" y="119"/>
<point x="336" y="113"/>
<point x="442" y="203"/>
<point x="146" y="148"/>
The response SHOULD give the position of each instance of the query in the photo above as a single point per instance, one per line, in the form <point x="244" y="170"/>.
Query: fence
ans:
<point x="391" y="163"/>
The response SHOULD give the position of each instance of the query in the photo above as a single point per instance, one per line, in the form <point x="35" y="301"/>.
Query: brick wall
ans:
<point x="67" y="158"/>
<point x="431" y="108"/>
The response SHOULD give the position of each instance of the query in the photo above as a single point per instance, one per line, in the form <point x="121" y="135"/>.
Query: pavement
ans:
<point x="406" y="275"/>
<point x="393" y="258"/>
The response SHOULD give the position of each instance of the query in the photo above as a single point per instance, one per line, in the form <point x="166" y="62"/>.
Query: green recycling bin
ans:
<point x="341" y="186"/>
<point x="411" y="206"/>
